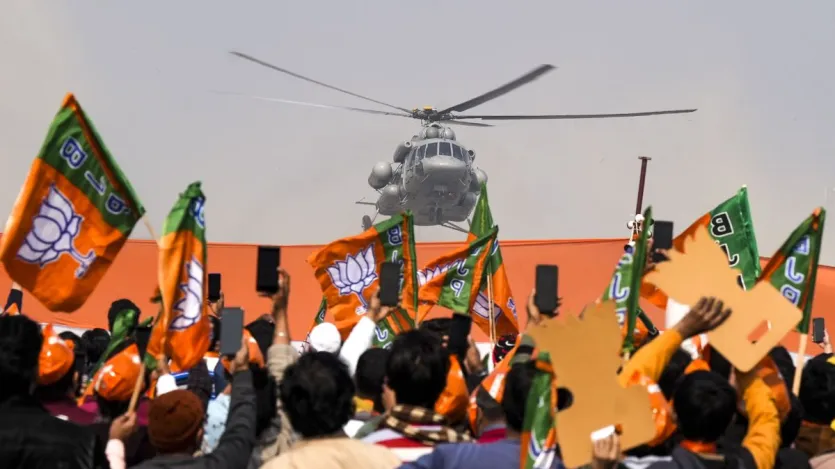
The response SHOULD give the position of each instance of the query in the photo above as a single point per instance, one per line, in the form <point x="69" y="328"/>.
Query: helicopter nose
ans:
<point x="444" y="167"/>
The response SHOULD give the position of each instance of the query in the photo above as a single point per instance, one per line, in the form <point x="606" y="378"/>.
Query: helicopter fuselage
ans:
<point x="435" y="179"/>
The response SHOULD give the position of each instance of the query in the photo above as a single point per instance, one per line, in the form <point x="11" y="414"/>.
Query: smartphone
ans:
<point x="266" y="280"/>
<point x="818" y="330"/>
<point x="547" y="278"/>
<point x="231" y="331"/>
<point x="214" y="287"/>
<point x="390" y="284"/>
<point x="662" y="238"/>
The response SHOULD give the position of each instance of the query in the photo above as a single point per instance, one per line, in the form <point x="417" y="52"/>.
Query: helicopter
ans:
<point x="433" y="174"/>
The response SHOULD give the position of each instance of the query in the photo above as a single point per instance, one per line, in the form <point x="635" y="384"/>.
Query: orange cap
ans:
<point x="56" y="357"/>
<point x="697" y="365"/>
<point x="117" y="377"/>
<point x="455" y="399"/>
<point x="255" y="355"/>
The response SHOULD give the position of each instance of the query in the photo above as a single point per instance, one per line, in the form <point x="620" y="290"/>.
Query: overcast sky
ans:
<point x="760" y="73"/>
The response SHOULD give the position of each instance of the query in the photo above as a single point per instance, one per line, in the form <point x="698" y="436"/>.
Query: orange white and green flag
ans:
<point x="453" y="280"/>
<point x="348" y="272"/>
<point x="504" y="308"/>
<point x="72" y="216"/>
<point x="182" y="330"/>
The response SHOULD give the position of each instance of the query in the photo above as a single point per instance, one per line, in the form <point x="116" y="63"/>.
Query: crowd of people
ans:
<point x="419" y="404"/>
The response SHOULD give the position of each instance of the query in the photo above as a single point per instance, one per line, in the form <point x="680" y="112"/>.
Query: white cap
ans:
<point x="325" y="337"/>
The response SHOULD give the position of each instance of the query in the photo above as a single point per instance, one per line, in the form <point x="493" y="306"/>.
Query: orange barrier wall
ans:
<point x="585" y="269"/>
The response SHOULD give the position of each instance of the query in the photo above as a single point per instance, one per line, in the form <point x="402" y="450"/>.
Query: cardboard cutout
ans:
<point x="703" y="270"/>
<point x="585" y="354"/>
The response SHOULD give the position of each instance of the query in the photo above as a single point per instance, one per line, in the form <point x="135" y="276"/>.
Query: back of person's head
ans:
<point x="318" y="394"/>
<point x="324" y="337"/>
<point x="73" y="337"/>
<point x="370" y="375"/>
<point x="783" y="359"/>
<point x="417" y="368"/>
<point x="20" y="347"/>
<point x="95" y="342"/>
<point x="117" y="307"/>
<point x="817" y="389"/>
<point x="175" y="422"/>
<point x="705" y="404"/>
<point x="438" y="326"/>
<point x="199" y="381"/>
<point x="517" y="387"/>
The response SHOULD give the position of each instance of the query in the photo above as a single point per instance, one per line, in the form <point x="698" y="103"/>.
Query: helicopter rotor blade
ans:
<point x="324" y="106"/>
<point x="574" y="116"/>
<point x="502" y="90"/>
<point x="301" y="77"/>
<point x="470" y="124"/>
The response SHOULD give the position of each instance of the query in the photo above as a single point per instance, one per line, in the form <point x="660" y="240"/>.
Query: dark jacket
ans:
<point x="238" y="438"/>
<point x="683" y="459"/>
<point x="138" y="446"/>
<point x="31" y="438"/>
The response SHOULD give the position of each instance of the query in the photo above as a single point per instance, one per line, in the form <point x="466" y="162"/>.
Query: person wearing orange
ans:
<point x="58" y="379"/>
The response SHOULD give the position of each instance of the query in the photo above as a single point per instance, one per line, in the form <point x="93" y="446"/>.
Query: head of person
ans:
<point x="417" y="368"/>
<point x="58" y="376"/>
<point x="119" y="306"/>
<point x="817" y="389"/>
<point x="370" y="375"/>
<point x="490" y="411"/>
<point x="95" y="342"/>
<point x="114" y="382"/>
<point x="318" y="394"/>
<point x="20" y="347"/>
<point x="324" y="337"/>
<point x="175" y="422"/>
<point x="439" y="327"/>
<point x="705" y="404"/>
<point x="503" y="346"/>
<point x="214" y="335"/>
<point x="515" y="398"/>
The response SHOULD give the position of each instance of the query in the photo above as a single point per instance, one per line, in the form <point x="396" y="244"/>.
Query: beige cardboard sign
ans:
<point x="703" y="270"/>
<point x="585" y="354"/>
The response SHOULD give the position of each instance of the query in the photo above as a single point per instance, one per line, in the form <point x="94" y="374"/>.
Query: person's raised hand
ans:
<point x="281" y="297"/>
<point x="123" y="426"/>
<point x="472" y="361"/>
<point x="241" y="361"/>
<point x="606" y="452"/>
<point x="708" y="314"/>
<point x="376" y="311"/>
<point x="162" y="366"/>
<point x="534" y="316"/>
<point x="826" y="345"/>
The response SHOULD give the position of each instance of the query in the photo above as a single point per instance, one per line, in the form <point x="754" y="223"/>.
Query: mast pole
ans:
<point x="639" y="205"/>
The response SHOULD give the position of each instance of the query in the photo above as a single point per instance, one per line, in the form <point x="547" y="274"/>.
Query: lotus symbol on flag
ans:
<point x="189" y="307"/>
<point x="481" y="306"/>
<point x="53" y="233"/>
<point x="355" y="273"/>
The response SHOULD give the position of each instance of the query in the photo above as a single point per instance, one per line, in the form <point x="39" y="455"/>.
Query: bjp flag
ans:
<point x="504" y="308"/>
<point x="182" y="330"/>
<point x="453" y="280"/>
<point x="348" y="272"/>
<point x="72" y="216"/>
<point x="731" y="227"/>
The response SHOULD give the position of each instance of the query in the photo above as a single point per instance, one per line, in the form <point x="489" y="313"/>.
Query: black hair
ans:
<point x="95" y="342"/>
<point x="71" y="336"/>
<point x="370" y="374"/>
<point x="673" y="373"/>
<point x="266" y="394"/>
<point x="262" y="330"/>
<point x="20" y="347"/>
<point x="491" y="410"/>
<point x="817" y="389"/>
<point x="515" y="399"/>
<point x="783" y="359"/>
<point x="437" y="326"/>
<point x="318" y="394"/>
<point x="117" y="307"/>
<point x="61" y="389"/>
<point x="417" y="368"/>
<point x="214" y="333"/>
<point x="705" y="404"/>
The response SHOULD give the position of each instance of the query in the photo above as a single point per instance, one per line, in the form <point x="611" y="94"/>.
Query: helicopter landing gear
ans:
<point x="366" y="222"/>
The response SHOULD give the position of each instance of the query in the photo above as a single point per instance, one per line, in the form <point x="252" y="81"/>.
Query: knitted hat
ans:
<point x="503" y="346"/>
<point x="174" y="420"/>
<point x="56" y="357"/>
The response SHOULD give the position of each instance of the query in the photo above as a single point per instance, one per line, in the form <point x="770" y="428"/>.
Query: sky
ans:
<point x="758" y="71"/>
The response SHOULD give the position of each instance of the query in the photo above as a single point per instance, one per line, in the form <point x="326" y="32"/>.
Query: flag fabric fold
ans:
<point x="182" y="330"/>
<point x="348" y="272"/>
<point x="731" y="226"/>
<point x="72" y="216"/>
<point x="793" y="268"/>
<point x="539" y="428"/>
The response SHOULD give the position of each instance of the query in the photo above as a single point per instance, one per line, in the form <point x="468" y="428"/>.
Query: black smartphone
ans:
<point x="266" y="280"/>
<point x="818" y="330"/>
<point x="390" y="284"/>
<point x="214" y="287"/>
<point x="231" y="331"/>
<point x="547" y="278"/>
<point x="662" y="238"/>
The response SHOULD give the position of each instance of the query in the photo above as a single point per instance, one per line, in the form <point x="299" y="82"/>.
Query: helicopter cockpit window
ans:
<point x="419" y="154"/>
<point x="446" y="149"/>
<point x="431" y="150"/>
<point x="458" y="152"/>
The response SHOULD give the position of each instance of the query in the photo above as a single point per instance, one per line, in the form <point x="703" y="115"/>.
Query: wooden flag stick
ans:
<point x="137" y="388"/>
<point x="150" y="229"/>
<point x="801" y="362"/>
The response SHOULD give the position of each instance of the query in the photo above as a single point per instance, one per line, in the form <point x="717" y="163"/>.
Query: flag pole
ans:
<point x="137" y="387"/>
<point x="801" y="362"/>
<point x="491" y="317"/>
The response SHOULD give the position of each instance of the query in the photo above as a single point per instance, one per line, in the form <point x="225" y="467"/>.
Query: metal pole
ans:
<point x="640" y="204"/>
